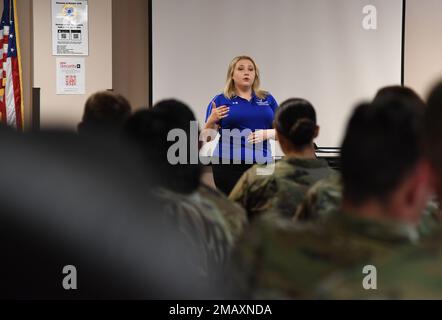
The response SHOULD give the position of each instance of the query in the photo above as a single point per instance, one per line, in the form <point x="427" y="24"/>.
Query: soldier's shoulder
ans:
<point x="408" y="273"/>
<point x="332" y="182"/>
<point x="322" y="200"/>
<point x="234" y="215"/>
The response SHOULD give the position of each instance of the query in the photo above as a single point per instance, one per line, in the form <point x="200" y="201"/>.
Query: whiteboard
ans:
<point x="313" y="49"/>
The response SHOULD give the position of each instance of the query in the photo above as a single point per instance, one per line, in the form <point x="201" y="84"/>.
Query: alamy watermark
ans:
<point x="70" y="280"/>
<point x="370" y="281"/>
<point x="178" y="152"/>
<point x="370" y="20"/>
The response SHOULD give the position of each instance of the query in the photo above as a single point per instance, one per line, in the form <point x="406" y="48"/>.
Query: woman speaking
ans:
<point x="243" y="115"/>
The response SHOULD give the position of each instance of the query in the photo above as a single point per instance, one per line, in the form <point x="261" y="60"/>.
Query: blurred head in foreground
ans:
<point x="383" y="169"/>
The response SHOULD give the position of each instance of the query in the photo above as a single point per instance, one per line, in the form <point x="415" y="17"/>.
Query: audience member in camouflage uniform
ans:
<point x="386" y="184"/>
<point x="200" y="220"/>
<point x="282" y="191"/>
<point x="234" y="215"/>
<point x="203" y="225"/>
<point x="414" y="273"/>
<point x="290" y="261"/>
<point x="323" y="200"/>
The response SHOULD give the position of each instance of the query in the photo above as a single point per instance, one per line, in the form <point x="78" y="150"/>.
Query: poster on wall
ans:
<point x="70" y="28"/>
<point x="71" y="76"/>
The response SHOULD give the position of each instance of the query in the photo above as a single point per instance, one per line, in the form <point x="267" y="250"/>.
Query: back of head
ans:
<point x="295" y="120"/>
<point x="104" y="112"/>
<point x="398" y="92"/>
<point x="176" y="111"/>
<point x="382" y="145"/>
<point x="433" y="132"/>
<point x="151" y="130"/>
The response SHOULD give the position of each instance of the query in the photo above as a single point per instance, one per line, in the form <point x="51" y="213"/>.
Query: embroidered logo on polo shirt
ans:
<point x="262" y="102"/>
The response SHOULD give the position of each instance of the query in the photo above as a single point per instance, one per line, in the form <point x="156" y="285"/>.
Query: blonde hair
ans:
<point x="229" y="89"/>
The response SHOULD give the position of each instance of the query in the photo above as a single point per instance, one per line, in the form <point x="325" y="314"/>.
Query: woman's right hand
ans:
<point x="217" y="114"/>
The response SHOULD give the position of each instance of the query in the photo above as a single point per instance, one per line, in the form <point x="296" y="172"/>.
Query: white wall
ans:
<point x="66" y="110"/>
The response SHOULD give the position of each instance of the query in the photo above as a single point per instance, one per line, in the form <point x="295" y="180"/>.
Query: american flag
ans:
<point x="11" y="101"/>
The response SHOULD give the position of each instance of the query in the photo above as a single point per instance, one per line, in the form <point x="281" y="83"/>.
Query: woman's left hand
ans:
<point x="261" y="135"/>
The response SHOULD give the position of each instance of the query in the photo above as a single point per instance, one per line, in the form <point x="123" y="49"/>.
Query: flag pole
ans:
<point x="17" y="35"/>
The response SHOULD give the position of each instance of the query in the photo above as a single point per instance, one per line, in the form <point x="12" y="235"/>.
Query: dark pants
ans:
<point x="227" y="175"/>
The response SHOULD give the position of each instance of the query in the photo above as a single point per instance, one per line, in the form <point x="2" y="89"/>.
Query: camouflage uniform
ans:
<point x="411" y="273"/>
<point x="282" y="191"/>
<point x="203" y="225"/>
<point x="234" y="215"/>
<point x="293" y="261"/>
<point x="324" y="198"/>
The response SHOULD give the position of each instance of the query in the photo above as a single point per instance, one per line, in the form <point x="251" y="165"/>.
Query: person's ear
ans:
<point x="316" y="132"/>
<point x="424" y="177"/>
<point x="277" y="135"/>
<point x="283" y="142"/>
<point x="411" y="196"/>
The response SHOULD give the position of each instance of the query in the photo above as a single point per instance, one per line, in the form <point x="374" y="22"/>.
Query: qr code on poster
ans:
<point x="71" y="81"/>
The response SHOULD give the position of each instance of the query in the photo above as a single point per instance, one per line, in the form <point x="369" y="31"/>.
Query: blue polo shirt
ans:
<point x="244" y="118"/>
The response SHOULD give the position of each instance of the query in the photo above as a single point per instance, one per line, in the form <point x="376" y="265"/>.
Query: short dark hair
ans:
<point x="382" y="144"/>
<point x="104" y="111"/>
<point x="295" y="119"/>
<point x="399" y="92"/>
<point x="149" y="130"/>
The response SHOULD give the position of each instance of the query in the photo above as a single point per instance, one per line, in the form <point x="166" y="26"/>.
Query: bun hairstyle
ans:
<point x="295" y="119"/>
